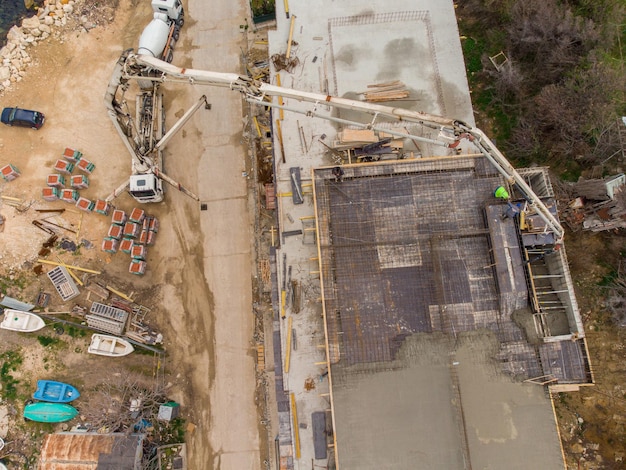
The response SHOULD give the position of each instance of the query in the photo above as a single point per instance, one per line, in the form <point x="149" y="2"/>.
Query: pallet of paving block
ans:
<point x="105" y="324"/>
<point x="107" y="311"/>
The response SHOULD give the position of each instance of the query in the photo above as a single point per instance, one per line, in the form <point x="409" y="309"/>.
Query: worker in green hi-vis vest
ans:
<point x="501" y="193"/>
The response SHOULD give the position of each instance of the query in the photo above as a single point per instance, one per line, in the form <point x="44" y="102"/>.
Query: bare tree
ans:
<point x="121" y="401"/>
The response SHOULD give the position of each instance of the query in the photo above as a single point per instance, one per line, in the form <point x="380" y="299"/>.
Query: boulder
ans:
<point x="15" y="34"/>
<point x="30" y="23"/>
<point x="44" y="28"/>
<point x="5" y="73"/>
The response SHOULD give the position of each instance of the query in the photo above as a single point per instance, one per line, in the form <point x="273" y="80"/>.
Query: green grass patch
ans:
<point x="473" y="49"/>
<point x="46" y="341"/>
<point x="76" y="332"/>
<point x="11" y="360"/>
<point x="6" y="283"/>
<point x="262" y="7"/>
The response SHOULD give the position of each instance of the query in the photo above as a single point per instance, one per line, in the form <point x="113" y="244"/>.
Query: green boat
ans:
<point x="49" y="412"/>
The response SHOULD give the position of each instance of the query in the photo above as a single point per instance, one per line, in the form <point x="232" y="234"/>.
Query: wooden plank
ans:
<point x="357" y="135"/>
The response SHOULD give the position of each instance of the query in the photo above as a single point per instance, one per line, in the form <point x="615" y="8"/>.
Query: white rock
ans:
<point x="48" y="21"/>
<point x="35" y="32"/>
<point x="64" y="21"/>
<point x="45" y="36"/>
<point x="5" y="52"/>
<point x="6" y="83"/>
<point x="68" y="8"/>
<point x="5" y="73"/>
<point x="52" y="7"/>
<point x="17" y="63"/>
<point x="29" y="39"/>
<point x="30" y="23"/>
<point x="59" y="13"/>
<point x="44" y="28"/>
<point x="15" y="34"/>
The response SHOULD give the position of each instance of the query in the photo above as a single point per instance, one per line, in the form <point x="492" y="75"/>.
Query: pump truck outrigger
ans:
<point x="451" y="132"/>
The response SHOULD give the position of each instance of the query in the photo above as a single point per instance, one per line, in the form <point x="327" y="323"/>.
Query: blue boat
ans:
<point x="55" y="392"/>
<point x="49" y="412"/>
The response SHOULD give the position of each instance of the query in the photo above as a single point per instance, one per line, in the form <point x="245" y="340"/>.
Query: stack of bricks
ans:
<point x="63" y="166"/>
<point x="85" y="204"/>
<point x="119" y="217"/>
<point x="9" y="172"/>
<point x="149" y="229"/>
<point x="69" y="195"/>
<point x="137" y="267"/>
<point x="72" y="155"/>
<point x="131" y="230"/>
<point x="138" y="252"/>
<point x="55" y="180"/>
<point x="50" y="194"/>
<point x="85" y="166"/>
<point x="80" y="182"/>
<point x="102" y="207"/>
<point x="110" y="245"/>
<point x="115" y="231"/>
<point x="126" y="245"/>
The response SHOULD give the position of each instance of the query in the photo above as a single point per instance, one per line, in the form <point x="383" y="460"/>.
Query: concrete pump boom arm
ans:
<point x="136" y="67"/>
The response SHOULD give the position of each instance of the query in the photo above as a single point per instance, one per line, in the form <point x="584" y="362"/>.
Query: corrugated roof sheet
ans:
<point x="86" y="451"/>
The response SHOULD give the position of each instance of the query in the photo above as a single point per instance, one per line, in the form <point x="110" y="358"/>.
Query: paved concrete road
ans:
<point x="217" y="258"/>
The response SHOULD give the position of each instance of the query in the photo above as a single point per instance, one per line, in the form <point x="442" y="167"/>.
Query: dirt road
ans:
<point x="202" y="263"/>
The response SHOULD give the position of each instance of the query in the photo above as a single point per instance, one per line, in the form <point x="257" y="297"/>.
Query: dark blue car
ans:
<point x="22" y="117"/>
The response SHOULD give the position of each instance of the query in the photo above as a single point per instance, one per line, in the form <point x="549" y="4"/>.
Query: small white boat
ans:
<point x="24" y="322"/>
<point x="107" y="345"/>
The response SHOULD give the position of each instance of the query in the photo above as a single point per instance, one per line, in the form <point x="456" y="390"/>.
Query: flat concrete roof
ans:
<point x="419" y="311"/>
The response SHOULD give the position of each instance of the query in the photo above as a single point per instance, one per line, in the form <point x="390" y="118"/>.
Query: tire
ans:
<point x="176" y="35"/>
<point x="170" y="56"/>
<point x="181" y="22"/>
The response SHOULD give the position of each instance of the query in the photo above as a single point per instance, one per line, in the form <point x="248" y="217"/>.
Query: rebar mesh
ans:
<point x="410" y="247"/>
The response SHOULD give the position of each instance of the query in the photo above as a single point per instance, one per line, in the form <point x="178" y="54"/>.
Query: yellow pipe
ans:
<point x="45" y="261"/>
<point x="281" y="113"/>
<point x="286" y="2"/>
<point x="69" y="270"/>
<point x="290" y="39"/>
<point x="258" y="128"/>
<point x="296" y="434"/>
<point x="122" y="295"/>
<point x="283" y="299"/>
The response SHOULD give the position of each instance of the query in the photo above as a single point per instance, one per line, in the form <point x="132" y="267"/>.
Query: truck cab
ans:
<point x="146" y="188"/>
<point x="172" y="8"/>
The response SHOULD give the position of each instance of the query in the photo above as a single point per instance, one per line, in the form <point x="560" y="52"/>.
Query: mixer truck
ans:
<point x="158" y="38"/>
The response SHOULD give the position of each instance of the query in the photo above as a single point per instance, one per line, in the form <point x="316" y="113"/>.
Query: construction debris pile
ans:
<point x="365" y="145"/>
<point x="595" y="204"/>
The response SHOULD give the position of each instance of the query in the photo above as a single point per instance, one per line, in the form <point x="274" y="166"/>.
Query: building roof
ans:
<point x="86" y="451"/>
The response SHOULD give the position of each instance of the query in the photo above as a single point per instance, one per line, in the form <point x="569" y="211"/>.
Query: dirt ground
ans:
<point x="67" y="82"/>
